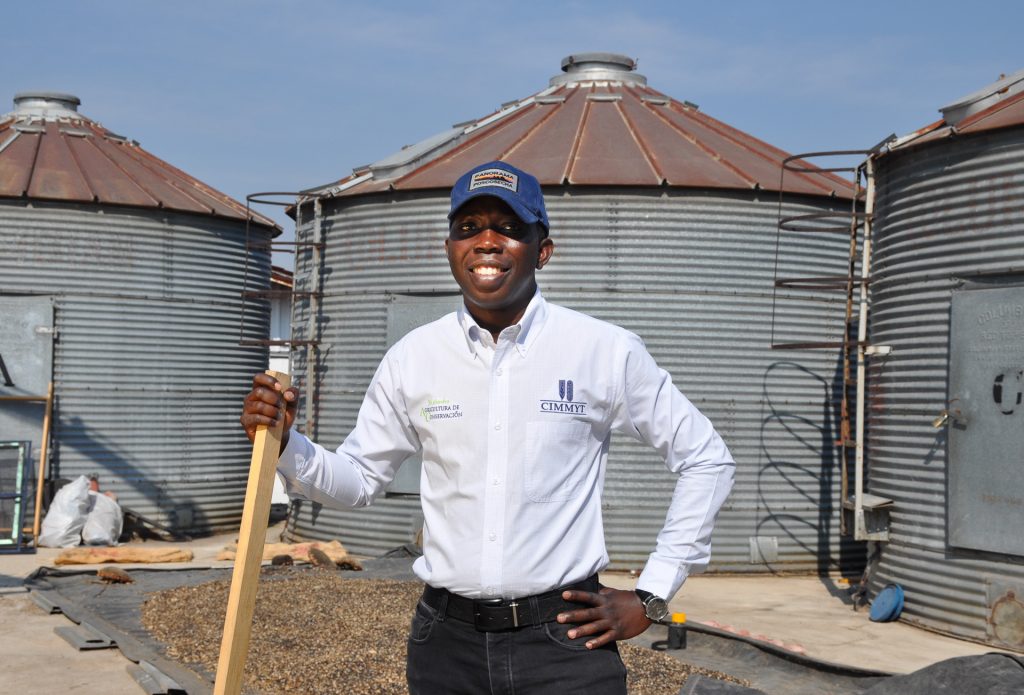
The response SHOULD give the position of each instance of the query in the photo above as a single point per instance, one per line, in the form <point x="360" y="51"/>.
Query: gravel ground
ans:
<point x="317" y="631"/>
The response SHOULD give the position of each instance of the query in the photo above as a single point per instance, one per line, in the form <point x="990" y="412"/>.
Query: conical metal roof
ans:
<point x="597" y="123"/>
<point x="996" y="106"/>
<point x="49" y="151"/>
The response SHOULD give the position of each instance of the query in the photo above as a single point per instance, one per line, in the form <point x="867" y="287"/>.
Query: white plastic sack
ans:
<point x="62" y="527"/>
<point x="103" y="522"/>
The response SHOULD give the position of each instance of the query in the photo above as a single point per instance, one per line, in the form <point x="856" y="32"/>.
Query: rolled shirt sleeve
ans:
<point x="654" y="411"/>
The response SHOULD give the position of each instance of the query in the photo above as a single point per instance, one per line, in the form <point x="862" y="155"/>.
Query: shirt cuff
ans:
<point x="663" y="577"/>
<point x="294" y="459"/>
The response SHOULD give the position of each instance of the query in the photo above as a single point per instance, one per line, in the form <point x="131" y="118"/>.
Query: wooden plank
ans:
<point x="44" y="452"/>
<point x="234" y="646"/>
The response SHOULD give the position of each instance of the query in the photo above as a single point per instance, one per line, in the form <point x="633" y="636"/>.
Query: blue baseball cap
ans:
<point x="502" y="180"/>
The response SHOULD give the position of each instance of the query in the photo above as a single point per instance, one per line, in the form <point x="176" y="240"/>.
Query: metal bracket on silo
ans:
<point x="764" y="550"/>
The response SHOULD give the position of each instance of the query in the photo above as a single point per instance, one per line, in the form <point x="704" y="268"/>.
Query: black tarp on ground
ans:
<point x="769" y="669"/>
<point x="988" y="674"/>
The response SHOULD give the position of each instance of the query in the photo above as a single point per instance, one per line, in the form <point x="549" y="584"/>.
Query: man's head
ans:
<point x="497" y="240"/>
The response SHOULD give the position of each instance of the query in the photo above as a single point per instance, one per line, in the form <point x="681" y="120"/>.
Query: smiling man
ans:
<point x="512" y="402"/>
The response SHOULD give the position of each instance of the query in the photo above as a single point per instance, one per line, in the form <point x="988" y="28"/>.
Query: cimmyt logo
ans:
<point x="565" y="404"/>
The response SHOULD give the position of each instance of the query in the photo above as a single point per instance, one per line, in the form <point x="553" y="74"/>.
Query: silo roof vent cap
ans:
<point x="598" y="67"/>
<point x="46" y="105"/>
<point x="985" y="97"/>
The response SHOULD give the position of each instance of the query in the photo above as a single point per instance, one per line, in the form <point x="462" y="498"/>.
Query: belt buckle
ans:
<point x="495" y="603"/>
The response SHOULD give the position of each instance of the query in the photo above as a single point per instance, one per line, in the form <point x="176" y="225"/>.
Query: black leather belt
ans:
<point x="492" y="615"/>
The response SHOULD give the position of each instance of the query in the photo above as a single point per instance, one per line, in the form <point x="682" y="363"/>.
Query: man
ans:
<point x="512" y="402"/>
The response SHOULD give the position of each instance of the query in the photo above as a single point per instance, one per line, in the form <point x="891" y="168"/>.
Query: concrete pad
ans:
<point x="38" y="661"/>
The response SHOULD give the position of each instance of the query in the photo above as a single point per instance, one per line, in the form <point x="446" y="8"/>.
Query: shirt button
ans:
<point x="498" y="371"/>
<point x="492" y="536"/>
<point x="496" y="481"/>
<point x="497" y="425"/>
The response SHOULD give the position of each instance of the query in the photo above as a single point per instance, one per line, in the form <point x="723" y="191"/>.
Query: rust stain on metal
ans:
<point x="74" y="159"/>
<point x="1007" y="113"/>
<point x="1007" y="620"/>
<point x="612" y="133"/>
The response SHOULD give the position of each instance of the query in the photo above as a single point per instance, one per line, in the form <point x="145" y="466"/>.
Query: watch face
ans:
<point x="656" y="608"/>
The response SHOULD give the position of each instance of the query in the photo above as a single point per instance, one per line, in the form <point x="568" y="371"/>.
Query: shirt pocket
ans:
<point x="556" y="458"/>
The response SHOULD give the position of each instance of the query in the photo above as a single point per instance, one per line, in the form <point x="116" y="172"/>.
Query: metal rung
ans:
<point x="284" y="245"/>
<point x="801" y="166"/>
<point x="868" y="501"/>
<point x="794" y="223"/>
<point x="279" y="293"/>
<point x="812" y="345"/>
<point x="828" y="282"/>
<point x="262" y="343"/>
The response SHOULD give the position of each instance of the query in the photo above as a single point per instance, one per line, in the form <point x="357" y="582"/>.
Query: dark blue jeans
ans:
<point x="450" y="657"/>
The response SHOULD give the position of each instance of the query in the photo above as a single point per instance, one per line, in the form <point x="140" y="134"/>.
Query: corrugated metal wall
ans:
<point x="946" y="212"/>
<point x="148" y="373"/>
<point x="691" y="272"/>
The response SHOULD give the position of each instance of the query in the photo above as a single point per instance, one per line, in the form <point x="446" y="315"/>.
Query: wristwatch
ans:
<point x="655" y="607"/>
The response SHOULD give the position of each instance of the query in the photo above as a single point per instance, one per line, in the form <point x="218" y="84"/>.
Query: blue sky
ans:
<point x="260" y="95"/>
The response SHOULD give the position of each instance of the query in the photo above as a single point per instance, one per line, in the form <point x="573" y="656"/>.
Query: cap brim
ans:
<point x="508" y="197"/>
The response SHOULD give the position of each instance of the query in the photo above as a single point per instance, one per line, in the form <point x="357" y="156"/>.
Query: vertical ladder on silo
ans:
<point x="870" y="512"/>
<point x="307" y="383"/>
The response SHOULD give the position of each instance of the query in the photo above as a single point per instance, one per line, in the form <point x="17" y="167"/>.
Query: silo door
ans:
<point x="26" y="369"/>
<point x="406" y="312"/>
<point x="986" y="422"/>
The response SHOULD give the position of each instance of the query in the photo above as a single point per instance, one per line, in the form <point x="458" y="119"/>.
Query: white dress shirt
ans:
<point x="514" y="438"/>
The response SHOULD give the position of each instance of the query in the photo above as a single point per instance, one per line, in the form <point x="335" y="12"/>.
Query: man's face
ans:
<point x="494" y="256"/>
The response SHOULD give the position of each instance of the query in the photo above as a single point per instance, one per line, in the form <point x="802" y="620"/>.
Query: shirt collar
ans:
<point x="527" y="329"/>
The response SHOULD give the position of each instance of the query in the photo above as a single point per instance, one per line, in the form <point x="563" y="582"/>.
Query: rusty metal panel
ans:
<point x="16" y="164"/>
<point x="948" y="217"/>
<point x="48" y="151"/>
<point x="548" y="153"/>
<point x="610" y="132"/>
<point x="156" y="185"/>
<point x="1005" y="114"/>
<point x="485" y="145"/>
<point x="678" y="159"/>
<point x="55" y="173"/>
<point x="608" y="150"/>
<point x="107" y="181"/>
<point x="986" y="435"/>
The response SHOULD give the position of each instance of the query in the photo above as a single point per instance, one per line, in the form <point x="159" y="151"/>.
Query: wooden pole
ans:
<point x="44" y="453"/>
<point x="234" y="646"/>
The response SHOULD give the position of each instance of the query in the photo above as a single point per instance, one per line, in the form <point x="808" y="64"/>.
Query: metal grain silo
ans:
<point x="665" y="223"/>
<point x="132" y="274"/>
<point x="945" y="420"/>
